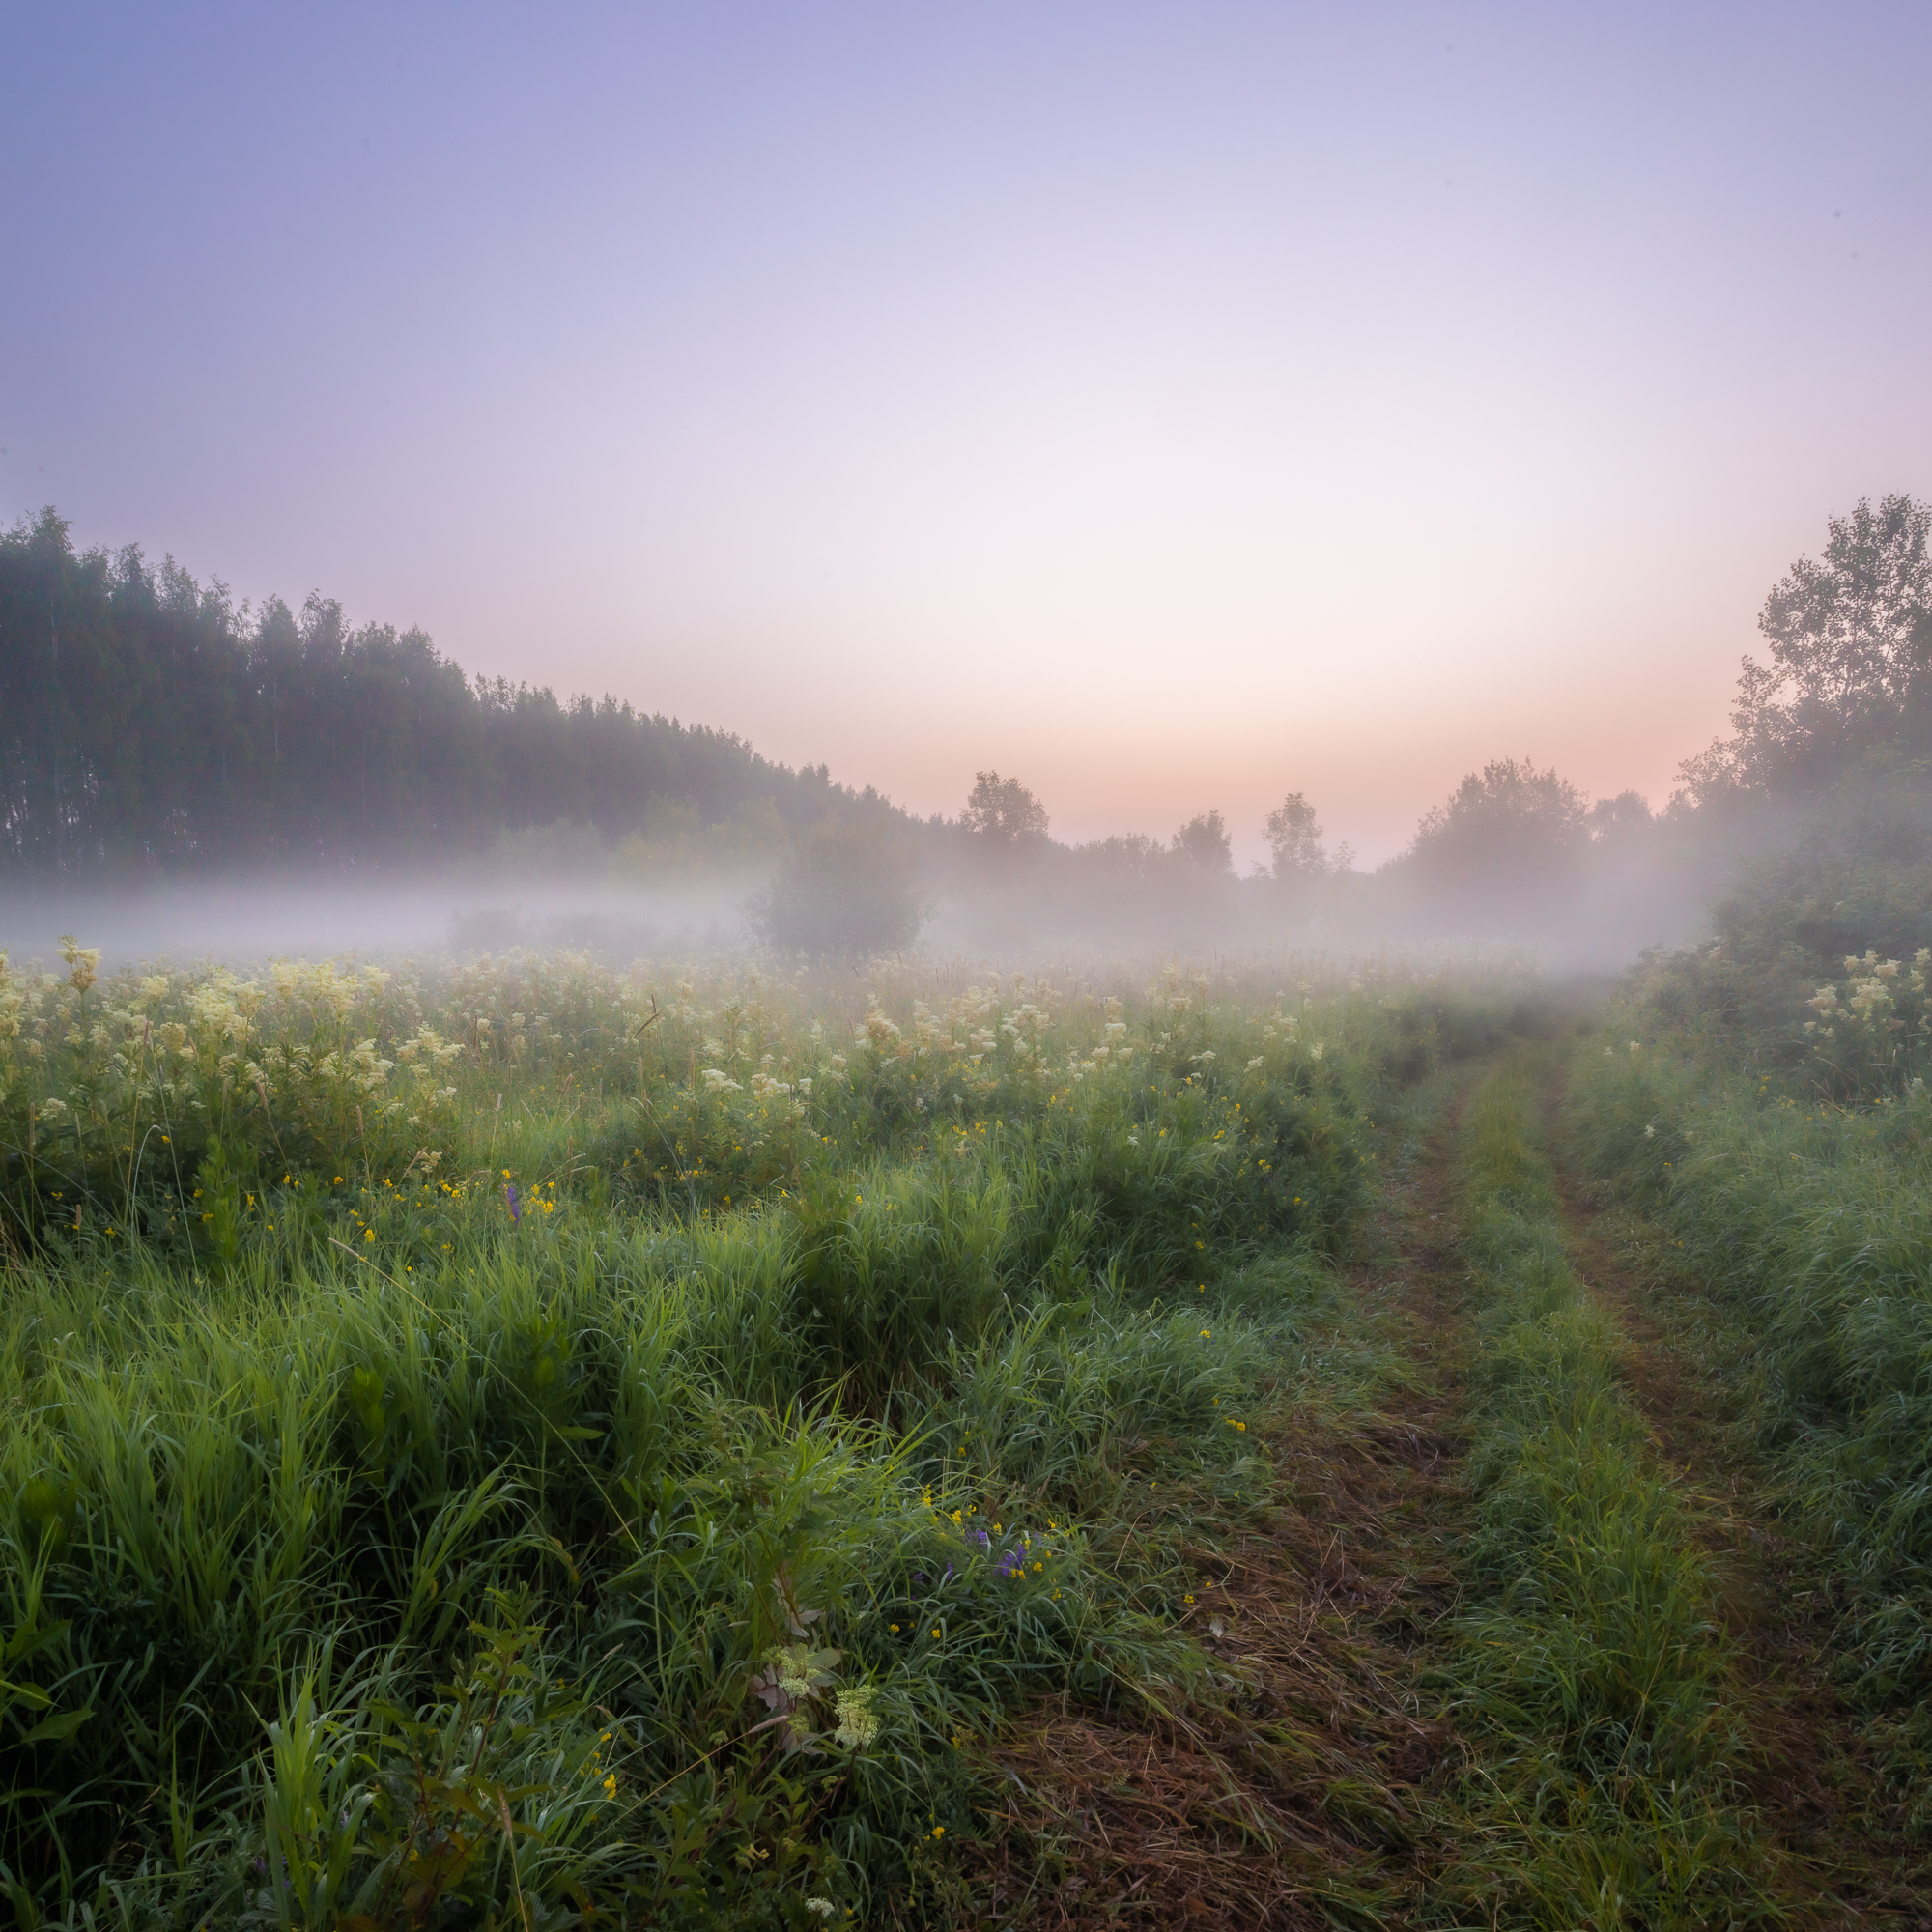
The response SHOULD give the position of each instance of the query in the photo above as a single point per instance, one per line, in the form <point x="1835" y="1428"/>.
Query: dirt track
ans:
<point x="1300" y="1796"/>
<point x="1301" y="1799"/>
<point x="1829" y="1817"/>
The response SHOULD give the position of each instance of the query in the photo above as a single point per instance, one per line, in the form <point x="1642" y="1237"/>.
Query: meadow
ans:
<point x="1783" y="1164"/>
<point x="518" y="1442"/>
<point x="521" y="1443"/>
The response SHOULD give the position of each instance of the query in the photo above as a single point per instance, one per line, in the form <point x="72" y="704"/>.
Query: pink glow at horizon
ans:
<point x="1170" y="406"/>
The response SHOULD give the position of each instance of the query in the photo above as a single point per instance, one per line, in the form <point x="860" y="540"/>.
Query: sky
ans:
<point x="1171" y="405"/>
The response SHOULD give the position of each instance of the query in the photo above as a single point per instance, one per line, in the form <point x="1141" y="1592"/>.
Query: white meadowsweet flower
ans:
<point x="858" y="1722"/>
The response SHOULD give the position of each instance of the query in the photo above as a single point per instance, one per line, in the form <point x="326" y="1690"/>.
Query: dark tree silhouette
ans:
<point x="1508" y="839"/>
<point x="1295" y="839"/>
<point x="1203" y="842"/>
<point x="1002" y="811"/>
<point x="1851" y="662"/>
<point x="148" y="724"/>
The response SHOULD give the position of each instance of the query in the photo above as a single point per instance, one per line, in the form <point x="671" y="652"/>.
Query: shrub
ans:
<point x="841" y="891"/>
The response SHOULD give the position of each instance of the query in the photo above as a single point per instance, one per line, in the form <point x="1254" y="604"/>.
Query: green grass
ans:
<point x="1587" y="1671"/>
<point x="579" y="1489"/>
<point x="1810" y="1224"/>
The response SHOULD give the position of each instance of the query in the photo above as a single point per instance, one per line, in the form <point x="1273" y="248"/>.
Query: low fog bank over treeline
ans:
<point x="152" y="731"/>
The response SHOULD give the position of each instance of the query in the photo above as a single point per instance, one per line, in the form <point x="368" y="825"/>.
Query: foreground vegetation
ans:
<point x="1787" y="1165"/>
<point x="520" y="1444"/>
<point x="1589" y="1669"/>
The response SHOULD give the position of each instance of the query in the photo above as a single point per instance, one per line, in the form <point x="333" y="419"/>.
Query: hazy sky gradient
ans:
<point x="1175" y="405"/>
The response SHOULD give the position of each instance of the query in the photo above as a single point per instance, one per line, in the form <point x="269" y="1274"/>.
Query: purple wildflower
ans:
<point x="510" y="1195"/>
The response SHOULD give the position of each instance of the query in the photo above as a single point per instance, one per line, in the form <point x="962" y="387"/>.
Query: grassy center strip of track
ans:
<point x="1587" y="1673"/>
<point x="1282" y="1778"/>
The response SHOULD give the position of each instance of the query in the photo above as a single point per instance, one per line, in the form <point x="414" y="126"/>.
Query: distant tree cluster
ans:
<point x="147" y="724"/>
<point x="1517" y="850"/>
<point x="1002" y="811"/>
<point x="1003" y="816"/>
<point x="1508" y="820"/>
<point x="1293" y="836"/>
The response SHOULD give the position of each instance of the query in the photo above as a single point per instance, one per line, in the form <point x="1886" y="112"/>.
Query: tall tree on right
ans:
<point x="1851" y="662"/>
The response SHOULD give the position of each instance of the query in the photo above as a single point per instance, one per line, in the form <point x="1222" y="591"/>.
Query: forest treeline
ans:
<point x="149" y="725"/>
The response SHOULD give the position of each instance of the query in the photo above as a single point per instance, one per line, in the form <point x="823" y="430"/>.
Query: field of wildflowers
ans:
<point x="518" y="1442"/>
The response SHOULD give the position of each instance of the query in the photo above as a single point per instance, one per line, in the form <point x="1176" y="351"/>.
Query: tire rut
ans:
<point x="1305" y="1796"/>
<point x="1814" y="1781"/>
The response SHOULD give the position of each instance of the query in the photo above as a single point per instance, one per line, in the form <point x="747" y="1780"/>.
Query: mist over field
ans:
<point x="189" y="778"/>
<point x="270" y="915"/>
<point x="966" y="969"/>
<point x="788" y="1339"/>
<point x="1048" y="901"/>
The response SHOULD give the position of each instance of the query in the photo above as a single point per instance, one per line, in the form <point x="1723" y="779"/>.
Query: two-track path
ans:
<point x="1316" y="1800"/>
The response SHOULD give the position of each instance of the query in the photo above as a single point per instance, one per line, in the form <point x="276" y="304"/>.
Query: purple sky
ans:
<point x="1175" y="405"/>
